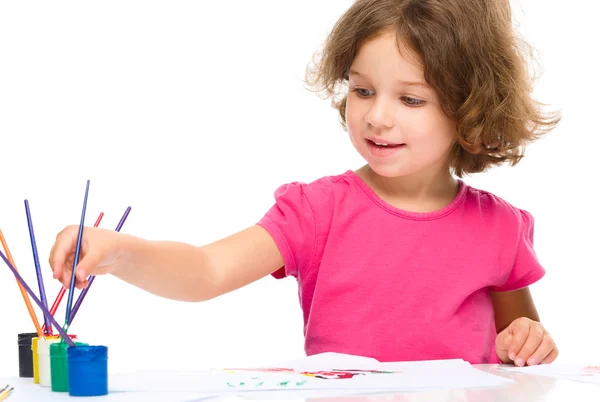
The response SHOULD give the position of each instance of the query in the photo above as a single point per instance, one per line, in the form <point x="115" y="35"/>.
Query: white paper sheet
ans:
<point x="321" y="372"/>
<point x="325" y="361"/>
<point x="295" y="380"/>
<point x="574" y="372"/>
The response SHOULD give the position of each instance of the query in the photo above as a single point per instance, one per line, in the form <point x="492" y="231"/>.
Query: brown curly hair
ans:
<point x="472" y="58"/>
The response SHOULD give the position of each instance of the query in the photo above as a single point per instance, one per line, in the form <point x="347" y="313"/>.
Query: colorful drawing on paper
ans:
<point x="591" y="370"/>
<point x="334" y="374"/>
<point x="278" y="377"/>
<point x="258" y="383"/>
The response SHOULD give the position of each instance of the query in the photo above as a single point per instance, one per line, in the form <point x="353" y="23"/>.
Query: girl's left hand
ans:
<point x="525" y="341"/>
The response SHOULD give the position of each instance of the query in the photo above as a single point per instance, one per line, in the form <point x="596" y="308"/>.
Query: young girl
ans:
<point x="400" y="259"/>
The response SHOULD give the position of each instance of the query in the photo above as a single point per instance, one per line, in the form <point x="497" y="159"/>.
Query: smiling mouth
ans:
<point x="385" y="144"/>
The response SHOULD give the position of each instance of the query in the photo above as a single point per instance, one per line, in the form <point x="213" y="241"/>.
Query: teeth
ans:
<point x="380" y="144"/>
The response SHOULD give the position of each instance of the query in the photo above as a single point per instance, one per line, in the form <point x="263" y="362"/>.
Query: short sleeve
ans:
<point x="526" y="269"/>
<point x="291" y="224"/>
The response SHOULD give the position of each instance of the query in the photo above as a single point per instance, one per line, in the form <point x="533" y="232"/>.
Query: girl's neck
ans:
<point x="416" y="193"/>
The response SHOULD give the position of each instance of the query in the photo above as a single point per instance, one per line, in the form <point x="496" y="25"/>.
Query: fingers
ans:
<point x="62" y="231"/>
<point x="519" y="329"/>
<point x="63" y="246"/>
<point x="531" y="344"/>
<point x="81" y="277"/>
<point x="534" y="339"/>
<point x="503" y="342"/>
<point x="526" y="342"/>
<point x="86" y="267"/>
<point x="545" y="347"/>
<point x="62" y="256"/>
<point x="65" y="278"/>
<point x="551" y="356"/>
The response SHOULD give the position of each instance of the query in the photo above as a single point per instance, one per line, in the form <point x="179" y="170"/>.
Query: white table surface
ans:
<point x="527" y="387"/>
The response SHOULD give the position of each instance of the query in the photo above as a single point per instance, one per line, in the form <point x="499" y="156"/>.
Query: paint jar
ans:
<point x="44" y="358"/>
<point x="88" y="370"/>
<point x="43" y="346"/>
<point x="34" y="355"/>
<point x="59" y="376"/>
<point x="25" y="357"/>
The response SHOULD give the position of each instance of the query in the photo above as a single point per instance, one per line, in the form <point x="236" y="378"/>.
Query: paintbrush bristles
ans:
<point x="5" y="393"/>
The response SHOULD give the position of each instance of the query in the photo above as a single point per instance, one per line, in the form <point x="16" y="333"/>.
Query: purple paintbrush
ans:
<point x="62" y="333"/>
<point x="92" y="277"/>
<point x="38" y="270"/>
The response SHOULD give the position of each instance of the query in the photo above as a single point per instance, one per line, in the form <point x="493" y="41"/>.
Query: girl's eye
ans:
<point x="362" y="92"/>
<point x="365" y="93"/>
<point x="412" y="101"/>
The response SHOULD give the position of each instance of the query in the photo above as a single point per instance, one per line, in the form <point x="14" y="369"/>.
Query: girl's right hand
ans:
<point x="99" y="254"/>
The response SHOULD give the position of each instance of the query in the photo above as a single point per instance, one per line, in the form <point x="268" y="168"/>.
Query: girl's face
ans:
<point x="394" y="118"/>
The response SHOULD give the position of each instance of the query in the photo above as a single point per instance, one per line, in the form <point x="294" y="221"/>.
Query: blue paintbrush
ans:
<point x="92" y="277"/>
<point x="38" y="270"/>
<point x="76" y="259"/>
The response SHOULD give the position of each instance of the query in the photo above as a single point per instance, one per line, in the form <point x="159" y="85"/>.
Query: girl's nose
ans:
<point x="380" y="115"/>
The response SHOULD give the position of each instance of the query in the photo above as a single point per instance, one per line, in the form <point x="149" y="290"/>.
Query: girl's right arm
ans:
<point x="173" y="270"/>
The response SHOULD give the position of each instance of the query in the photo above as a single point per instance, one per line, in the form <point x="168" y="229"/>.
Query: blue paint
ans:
<point x="88" y="370"/>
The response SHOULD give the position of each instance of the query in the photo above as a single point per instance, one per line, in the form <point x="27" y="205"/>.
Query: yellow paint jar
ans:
<point x="36" y="360"/>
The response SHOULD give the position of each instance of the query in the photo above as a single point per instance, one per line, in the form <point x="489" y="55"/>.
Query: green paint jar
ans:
<point x="59" y="372"/>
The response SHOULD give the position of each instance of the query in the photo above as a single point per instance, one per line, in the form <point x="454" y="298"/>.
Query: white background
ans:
<point x="193" y="112"/>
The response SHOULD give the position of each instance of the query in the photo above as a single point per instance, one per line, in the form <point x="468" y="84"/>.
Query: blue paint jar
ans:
<point x="88" y="370"/>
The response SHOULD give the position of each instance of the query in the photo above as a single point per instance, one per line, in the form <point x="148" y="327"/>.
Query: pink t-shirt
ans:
<point x="394" y="285"/>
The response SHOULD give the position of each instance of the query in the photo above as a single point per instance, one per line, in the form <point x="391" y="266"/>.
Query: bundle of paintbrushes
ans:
<point x="58" y="361"/>
<point x="5" y="392"/>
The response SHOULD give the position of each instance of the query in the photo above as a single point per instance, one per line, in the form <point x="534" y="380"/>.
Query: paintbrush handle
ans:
<point x="62" y="291"/>
<point x="36" y="261"/>
<point x="76" y="259"/>
<point x="85" y="291"/>
<point x="37" y="301"/>
<point x="30" y="309"/>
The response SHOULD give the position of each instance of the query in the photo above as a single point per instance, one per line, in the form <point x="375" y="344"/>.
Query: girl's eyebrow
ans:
<point x="414" y="83"/>
<point x="404" y="83"/>
<point x="354" y="72"/>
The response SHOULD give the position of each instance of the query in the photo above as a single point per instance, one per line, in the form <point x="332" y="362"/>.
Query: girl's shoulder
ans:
<point x="318" y="190"/>
<point x="494" y="208"/>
